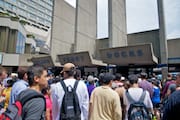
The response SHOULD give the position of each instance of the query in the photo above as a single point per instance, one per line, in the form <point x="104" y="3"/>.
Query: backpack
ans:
<point x="137" y="109"/>
<point x="15" y="111"/>
<point x="70" y="109"/>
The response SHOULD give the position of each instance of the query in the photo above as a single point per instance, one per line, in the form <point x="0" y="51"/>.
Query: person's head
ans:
<point x="8" y="82"/>
<point x="22" y="73"/>
<point x="178" y="78"/>
<point x="90" y="79"/>
<point x="118" y="77"/>
<point x="155" y="82"/>
<point x="101" y="78"/>
<point x="37" y="76"/>
<point x="46" y="90"/>
<point x="143" y="75"/>
<point x="107" y="78"/>
<point x="68" y="71"/>
<point x="133" y="79"/>
<point x="78" y="74"/>
<point x="3" y="73"/>
<point x="169" y="76"/>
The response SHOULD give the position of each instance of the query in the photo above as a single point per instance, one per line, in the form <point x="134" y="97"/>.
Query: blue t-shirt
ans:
<point x="156" y="95"/>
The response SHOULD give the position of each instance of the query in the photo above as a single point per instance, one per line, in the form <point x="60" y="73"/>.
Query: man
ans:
<point x="19" y="85"/>
<point x="34" y="109"/>
<point x="145" y="85"/>
<point x="91" y="85"/>
<point x="104" y="102"/>
<point x="172" y="107"/>
<point x="57" y="93"/>
<point x="135" y="92"/>
<point x="168" y="83"/>
<point x="3" y="74"/>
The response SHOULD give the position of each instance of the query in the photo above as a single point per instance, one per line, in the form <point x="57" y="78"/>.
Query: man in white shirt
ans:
<point x="136" y="92"/>
<point x="57" y="93"/>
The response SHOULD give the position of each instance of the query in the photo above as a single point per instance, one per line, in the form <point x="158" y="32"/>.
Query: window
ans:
<point x="20" y="45"/>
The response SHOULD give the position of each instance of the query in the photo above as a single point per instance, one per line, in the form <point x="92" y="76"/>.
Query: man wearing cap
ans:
<point x="57" y="93"/>
<point x="104" y="102"/>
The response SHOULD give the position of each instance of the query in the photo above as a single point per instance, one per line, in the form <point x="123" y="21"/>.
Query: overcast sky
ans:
<point x="142" y="16"/>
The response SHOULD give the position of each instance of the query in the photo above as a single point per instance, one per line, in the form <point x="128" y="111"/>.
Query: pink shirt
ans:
<point x="49" y="104"/>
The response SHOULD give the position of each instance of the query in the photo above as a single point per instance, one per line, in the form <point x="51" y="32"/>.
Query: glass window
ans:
<point x="20" y="46"/>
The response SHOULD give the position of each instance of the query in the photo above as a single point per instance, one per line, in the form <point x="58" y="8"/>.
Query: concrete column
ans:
<point x="162" y="33"/>
<point x="110" y="22"/>
<point x="117" y="23"/>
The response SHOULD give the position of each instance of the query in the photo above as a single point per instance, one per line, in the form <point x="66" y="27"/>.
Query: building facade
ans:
<point x="12" y="36"/>
<point x="33" y="17"/>
<point x="38" y="12"/>
<point x="76" y="29"/>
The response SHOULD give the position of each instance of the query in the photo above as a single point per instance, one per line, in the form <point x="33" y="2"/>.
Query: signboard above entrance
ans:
<point x="129" y="55"/>
<point x="45" y="61"/>
<point x="80" y="59"/>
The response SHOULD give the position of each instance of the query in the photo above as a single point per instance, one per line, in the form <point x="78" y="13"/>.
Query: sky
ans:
<point x="141" y="15"/>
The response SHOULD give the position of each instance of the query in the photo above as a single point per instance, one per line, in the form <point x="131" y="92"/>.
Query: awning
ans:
<point x="26" y="60"/>
<point x="80" y="59"/>
<point x="45" y="61"/>
<point x="129" y="55"/>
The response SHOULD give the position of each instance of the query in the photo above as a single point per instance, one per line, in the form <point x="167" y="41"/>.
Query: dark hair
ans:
<point x="155" y="82"/>
<point x="21" y="72"/>
<point x="144" y="75"/>
<point x="106" y="78"/>
<point x="133" y="79"/>
<point x="33" y="71"/>
<point x="118" y="76"/>
<point x="77" y="74"/>
<point x="44" y="91"/>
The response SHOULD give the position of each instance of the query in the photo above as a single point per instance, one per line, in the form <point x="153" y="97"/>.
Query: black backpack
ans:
<point x="15" y="111"/>
<point x="70" y="109"/>
<point x="137" y="109"/>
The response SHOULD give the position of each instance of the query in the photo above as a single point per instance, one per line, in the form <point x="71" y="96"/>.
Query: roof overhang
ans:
<point x="80" y="59"/>
<point x="129" y="55"/>
<point x="44" y="60"/>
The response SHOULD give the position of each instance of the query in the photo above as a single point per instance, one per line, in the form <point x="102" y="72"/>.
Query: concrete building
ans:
<point x="12" y="36"/>
<point x="35" y="17"/>
<point x="117" y="23"/>
<point x="36" y="11"/>
<point x="76" y="29"/>
<point x="62" y="29"/>
<point x="152" y="36"/>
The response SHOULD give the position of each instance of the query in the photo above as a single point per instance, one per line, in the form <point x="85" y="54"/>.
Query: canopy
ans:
<point x="80" y="59"/>
<point x="129" y="55"/>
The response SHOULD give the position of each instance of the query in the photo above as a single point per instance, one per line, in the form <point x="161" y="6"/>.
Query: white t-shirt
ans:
<point x="57" y="94"/>
<point x="136" y="93"/>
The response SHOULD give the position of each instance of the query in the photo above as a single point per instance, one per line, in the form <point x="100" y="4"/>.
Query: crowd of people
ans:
<point x="106" y="97"/>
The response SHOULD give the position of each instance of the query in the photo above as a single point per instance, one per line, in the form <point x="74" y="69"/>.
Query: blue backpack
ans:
<point x="137" y="109"/>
